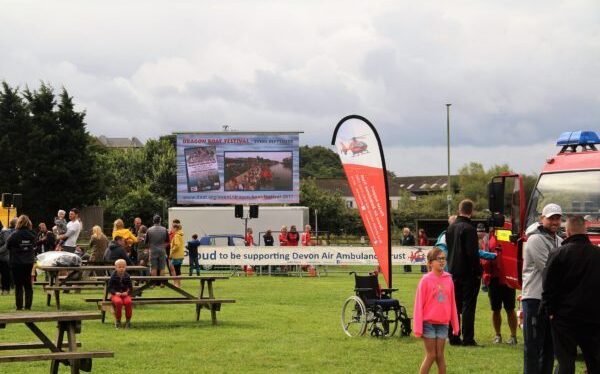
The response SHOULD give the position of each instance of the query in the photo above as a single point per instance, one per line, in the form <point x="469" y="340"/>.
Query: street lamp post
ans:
<point x="449" y="197"/>
<point x="317" y="225"/>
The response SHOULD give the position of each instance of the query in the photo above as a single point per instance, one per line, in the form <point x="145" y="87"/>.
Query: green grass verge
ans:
<point x="278" y="325"/>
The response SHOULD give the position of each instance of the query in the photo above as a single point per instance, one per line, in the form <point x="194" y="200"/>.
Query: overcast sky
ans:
<point x="517" y="73"/>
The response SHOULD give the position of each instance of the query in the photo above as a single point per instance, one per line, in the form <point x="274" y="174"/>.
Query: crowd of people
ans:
<point x="560" y="308"/>
<point x="408" y="239"/>
<point x="155" y="247"/>
<point x="19" y="245"/>
<point x="286" y="238"/>
<point x="257" y="177"/>
<point x="558" y="297"/>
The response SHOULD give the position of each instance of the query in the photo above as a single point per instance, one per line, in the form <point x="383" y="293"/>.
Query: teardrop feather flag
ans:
<point x="361" y="153"/>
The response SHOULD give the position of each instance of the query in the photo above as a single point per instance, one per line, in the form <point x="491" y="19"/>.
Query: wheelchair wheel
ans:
<point x="354" y="316"/>
<point x="384" y="323"/>
<point x="405" y="328"/>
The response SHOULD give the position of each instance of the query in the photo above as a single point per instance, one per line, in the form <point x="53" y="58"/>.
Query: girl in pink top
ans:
<point x="435" y="308"/>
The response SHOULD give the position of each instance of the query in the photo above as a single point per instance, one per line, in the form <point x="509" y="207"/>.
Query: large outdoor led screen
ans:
<point x="237" y="168"/>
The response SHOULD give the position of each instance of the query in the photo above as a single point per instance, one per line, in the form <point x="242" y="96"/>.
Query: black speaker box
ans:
<point x="17" y="200"/>
<point x="239" y="211"/>
<point x="6" y="200"/>
<point x="253" y="211"/>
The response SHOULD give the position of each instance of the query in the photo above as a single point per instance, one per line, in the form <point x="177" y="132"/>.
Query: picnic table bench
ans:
<point x="202" y="300"/>
<point x="69" y="323"/>
<point x="42" y="283"/>
<point x="56" y="284"/>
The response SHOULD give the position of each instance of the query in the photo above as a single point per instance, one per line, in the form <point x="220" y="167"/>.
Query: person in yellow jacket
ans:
<point x="177" y="251"/>
<point x="128" y="237"/>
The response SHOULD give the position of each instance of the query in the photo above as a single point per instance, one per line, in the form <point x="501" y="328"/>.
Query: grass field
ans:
<point x="278" y="325"/>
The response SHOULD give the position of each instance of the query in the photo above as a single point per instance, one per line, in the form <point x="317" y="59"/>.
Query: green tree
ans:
<point x="471" y="183"/>
<point x="43" y="162"/>
<point x="160" y="164"/>
<point x="14" y="128"/>
<point x="333" y="213"/>
<point x="81" y="155"/>
<point x="48" y="151"/>
<point x="142" y="181"/>
<point x="136" y="202"/>
<point x="410" y="209"/>
<point x="473" y="180"/>
<point x="319" y="162"/>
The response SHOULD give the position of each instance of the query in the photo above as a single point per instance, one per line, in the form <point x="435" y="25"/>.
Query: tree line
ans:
<point x="48" y="155"/>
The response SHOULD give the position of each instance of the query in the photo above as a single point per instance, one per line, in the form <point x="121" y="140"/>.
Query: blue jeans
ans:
<point x="539" y="352"/>
<point x="194" y="265"/>
<point x="435" y="331"/>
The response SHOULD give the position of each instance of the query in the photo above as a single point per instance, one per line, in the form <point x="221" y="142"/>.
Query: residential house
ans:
<point x="416" y="186"/>
<point x="120" y="143"/>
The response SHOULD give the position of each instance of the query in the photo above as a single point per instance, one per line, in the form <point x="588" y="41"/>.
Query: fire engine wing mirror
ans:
<point x="496" y="196"/>
<point x="497" y="220"/>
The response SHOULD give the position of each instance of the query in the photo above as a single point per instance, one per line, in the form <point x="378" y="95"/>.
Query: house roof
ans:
<point x="120" y="142"/>
<point x="417" y="185"/>
<point x="421" y="184"/>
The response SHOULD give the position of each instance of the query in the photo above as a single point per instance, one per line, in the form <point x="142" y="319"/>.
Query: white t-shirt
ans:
<point x="73" y="230"/>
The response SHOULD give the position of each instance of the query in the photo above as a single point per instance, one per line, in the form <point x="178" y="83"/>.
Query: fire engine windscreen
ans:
<point x="576" y="193"/>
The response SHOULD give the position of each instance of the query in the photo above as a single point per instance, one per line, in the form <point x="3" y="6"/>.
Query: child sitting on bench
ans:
<point x="120" y="288"/>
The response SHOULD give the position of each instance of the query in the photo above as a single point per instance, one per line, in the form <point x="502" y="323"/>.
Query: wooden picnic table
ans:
<point x="69" y="323"/>
<point x="146" y="283"/>
<point x="56" y="284"/>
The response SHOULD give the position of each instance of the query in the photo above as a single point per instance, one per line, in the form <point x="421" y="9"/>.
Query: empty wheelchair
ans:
<point x="373" y="309"/>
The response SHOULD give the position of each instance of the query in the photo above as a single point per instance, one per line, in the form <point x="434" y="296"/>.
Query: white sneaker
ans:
<point x="512" y="340"/>
<point x="497" y="339"/>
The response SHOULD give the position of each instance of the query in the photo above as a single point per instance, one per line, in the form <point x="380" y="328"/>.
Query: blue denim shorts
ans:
<point x="433" y="331"/>
<point x="177" y="261"/>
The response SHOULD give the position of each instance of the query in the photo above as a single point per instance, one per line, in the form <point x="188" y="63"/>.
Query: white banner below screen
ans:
<point x="307" y="255"/>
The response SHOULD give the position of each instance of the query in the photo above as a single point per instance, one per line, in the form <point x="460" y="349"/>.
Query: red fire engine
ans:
<point x="570" y="179"/>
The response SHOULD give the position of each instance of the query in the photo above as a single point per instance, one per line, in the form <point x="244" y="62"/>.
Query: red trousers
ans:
<point x="118" y="303"/>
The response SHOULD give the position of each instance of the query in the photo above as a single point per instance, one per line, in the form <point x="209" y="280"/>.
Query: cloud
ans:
<point x="517" y="73"/>
<point x="407" y="161"/>
<point x="301" y="94"/>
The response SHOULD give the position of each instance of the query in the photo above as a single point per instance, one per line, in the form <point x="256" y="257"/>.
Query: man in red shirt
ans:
<point x="293" y="236"/>
<point x="283" y="236"/>
<point x="499" y="293"/>
<point x="249" y="239"/>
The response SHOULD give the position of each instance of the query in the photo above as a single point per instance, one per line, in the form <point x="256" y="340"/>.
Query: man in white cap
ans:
<point x="542" y="239"/>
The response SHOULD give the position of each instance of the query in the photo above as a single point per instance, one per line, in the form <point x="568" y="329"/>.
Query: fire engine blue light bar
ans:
<point x="578" y="138"/>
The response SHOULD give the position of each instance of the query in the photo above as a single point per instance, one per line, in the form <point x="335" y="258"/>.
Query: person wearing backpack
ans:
<point x="21" y="246"/>
<point x="441" y="240"/>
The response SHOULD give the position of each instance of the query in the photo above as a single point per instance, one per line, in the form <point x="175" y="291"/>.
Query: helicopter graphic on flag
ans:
<point x="356" y="146"/>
